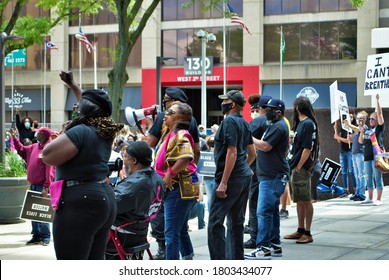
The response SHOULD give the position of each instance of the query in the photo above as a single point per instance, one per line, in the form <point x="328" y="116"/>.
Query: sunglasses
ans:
<point x="371" y="119"/>
<point x="169" y="112"/>
<point x="167" y="100"/>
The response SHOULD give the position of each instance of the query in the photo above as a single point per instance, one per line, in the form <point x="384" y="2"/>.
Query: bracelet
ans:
<point x="171" y="172"/>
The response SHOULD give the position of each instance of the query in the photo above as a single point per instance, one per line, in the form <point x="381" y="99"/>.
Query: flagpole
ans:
<point x="44" y="86"/>
<point x="281" y="58"/>
<point x="95" y="64"/>
<point x="80" y="50"/>
<point x="224" y="50"/>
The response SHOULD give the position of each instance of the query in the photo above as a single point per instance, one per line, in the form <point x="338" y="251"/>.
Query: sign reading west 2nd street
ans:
<point x="17" y="56"/>
<point x="377" y="74"/>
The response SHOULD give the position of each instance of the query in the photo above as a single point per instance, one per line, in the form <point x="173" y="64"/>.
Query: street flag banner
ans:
<point x="377" y="74"/>
<point x="236" y="19"/>
<point x="82" y="37"/>
<point x="50" y="45"/>
<point x="282" y="48"/>
<point x="334" y="100"/>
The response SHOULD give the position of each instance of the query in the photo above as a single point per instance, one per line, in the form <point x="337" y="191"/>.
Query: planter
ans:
<point x="12" y="192"/>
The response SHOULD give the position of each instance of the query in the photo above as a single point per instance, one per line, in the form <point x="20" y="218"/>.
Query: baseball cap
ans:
<point x="275" y="103"/>
<point x="234" y="95"/>
<point x="176" y="94"/>
<point x="263" y="100"/>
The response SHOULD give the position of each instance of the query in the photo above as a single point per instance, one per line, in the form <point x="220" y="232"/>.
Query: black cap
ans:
<point x="176" y="94"/>
<point x="276" y="103"/>
<point x="141" y="151"/>
<point x="236" y="96"/>
<point x="100" y="98"/>
<point x="263" y="100"/>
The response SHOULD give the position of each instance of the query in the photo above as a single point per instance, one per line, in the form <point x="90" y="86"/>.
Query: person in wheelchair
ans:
<point x="138" y="198"/>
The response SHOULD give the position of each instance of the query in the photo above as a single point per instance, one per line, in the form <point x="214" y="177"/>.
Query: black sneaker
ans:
<point x="261" y="253"/>
<point x="276" y="250"/>
<point x="250" y="244"/>
<point x="284" y="213"/>
<point x="45" y="242"/>
<point x="246" y="230"/>
<point x="33" y="241"/>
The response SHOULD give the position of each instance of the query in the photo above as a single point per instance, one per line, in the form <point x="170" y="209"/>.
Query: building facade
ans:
<point x="326" y="41"/>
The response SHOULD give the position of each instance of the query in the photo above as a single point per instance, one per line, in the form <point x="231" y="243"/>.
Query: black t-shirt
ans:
<point x="368" y="153"/>
<point x="305" y="138"/>
<point x="233" y="131"/>
<point x="345" y="147"/>
<point x="273" y="164"/>
<point x="93" y="154"/>
<point x="258" y="127"/>
<point x="156" y="129"/>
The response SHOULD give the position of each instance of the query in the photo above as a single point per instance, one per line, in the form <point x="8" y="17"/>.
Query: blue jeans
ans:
<point x="210" y="189"/>
<point x="40" y="231"/>
<point x="373" y="173"/>
<point x="347" y="167"/>
<point x="197" y="211"/>
<point x="359" y="170"/>
<point x="269" y="195"/>
<point x="176" y="218"/>
<point x="233" y="207"/>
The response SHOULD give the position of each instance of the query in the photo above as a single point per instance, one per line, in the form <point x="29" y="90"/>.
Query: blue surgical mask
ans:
<point x="27" y="125"/>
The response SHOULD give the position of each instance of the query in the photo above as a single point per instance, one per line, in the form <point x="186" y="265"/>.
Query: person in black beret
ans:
<point x="138" y="197"/>
<point x="172" y="94"/>
<point x="88" y="208"/>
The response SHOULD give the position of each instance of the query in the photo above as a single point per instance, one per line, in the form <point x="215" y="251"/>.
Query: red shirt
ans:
<point x="38" y="173"/>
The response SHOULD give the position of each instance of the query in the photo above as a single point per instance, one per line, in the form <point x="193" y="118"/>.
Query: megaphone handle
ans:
<point x="138" y="123"/>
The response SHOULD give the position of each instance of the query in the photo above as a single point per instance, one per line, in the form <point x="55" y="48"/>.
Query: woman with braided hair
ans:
<point x="87" y="207"/>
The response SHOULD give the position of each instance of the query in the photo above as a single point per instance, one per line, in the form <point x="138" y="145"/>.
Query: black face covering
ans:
<point x="272" y="116"/>
<point x="35" y="125"/>
<point x="226" y="107"/>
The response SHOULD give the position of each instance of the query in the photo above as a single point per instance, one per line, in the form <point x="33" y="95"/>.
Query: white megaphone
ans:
<point x="133" y="116"/>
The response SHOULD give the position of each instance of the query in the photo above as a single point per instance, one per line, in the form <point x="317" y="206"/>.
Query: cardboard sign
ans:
<point x="329" y="171"/>
<point x="206" y="165"/>
<point x="37" y="208"/>
<point x="343" y="110"/>
<point x="334" y="100"/>
<point x="377" y="74"/>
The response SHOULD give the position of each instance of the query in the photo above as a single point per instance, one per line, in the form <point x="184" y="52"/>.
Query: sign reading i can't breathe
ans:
<point x="37" y="208"/>
<point x="377" y="74"/>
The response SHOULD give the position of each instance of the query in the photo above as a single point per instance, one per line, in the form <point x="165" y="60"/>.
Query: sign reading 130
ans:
<point x="193" y="64"/>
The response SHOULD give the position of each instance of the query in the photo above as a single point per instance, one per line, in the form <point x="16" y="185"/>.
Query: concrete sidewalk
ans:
<point x="342" y="230"/>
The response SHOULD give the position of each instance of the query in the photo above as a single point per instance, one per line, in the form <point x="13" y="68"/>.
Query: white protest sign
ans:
<point x="343" y="110"/>
<point x="334" y="100"/>
<point x="377" y="74"/>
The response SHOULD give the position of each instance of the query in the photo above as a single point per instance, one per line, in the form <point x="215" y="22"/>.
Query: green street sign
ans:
<point x="18" y="57"/>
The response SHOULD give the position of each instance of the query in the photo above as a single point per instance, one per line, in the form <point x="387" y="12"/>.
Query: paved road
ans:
<point x="342" y="230"/>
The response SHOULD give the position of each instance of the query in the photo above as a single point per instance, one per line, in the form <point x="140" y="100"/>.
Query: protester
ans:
<point x="87" y="209"/>
<point x="39" y="175"/>
<point x="135" y="196"/>
<point x="305" y="151"/>
<point x="273" y="173"/>
<point x="234" y="153"/>
<point x="175" y="163"/>
<point x="24" y="127"/>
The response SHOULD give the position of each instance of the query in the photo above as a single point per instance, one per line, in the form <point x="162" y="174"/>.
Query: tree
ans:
<point x="357" y="3"/>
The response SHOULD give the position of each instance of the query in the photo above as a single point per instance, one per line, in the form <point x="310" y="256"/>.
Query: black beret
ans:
<point x="141" y="151"/>
<point x="100" y="98"/>
<point x="176" y="94"/>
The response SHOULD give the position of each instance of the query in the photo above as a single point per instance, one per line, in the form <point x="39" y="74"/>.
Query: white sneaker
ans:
<point x="262" y="253"/>
<point x="377" y="203"/>
<point x="367" y="201"/>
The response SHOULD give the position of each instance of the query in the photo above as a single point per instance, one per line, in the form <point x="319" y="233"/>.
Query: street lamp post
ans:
<point x="159" y="61"/>
<point x="3" y="38"/>
<point x="205" y="38"/>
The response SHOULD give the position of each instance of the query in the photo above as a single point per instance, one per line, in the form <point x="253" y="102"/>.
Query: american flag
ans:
<point x="82" y="37"/>
<point x="236" y="19"/>
<point x="50" y="45"/>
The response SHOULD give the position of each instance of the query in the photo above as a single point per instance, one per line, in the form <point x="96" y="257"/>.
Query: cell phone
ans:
<point x="360" y="122"/>
<point x="344" y="117"/>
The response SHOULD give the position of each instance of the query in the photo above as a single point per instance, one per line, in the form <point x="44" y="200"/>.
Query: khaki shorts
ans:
<point x="301" y="185"/>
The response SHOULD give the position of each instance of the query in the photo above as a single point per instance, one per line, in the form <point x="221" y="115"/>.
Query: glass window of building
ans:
<point x="106" y="46"/>
<point x="173" y="10"/>
<point x="275" y="7"/>
<point x="182" y="43"/>
<point x="312" y="41"/>
<point x="104" y="16"/>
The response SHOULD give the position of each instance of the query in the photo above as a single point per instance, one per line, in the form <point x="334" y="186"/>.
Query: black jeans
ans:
<point x="253" y="201"/>
<point x="233" y="207"/>
<point x="82" y="222"/>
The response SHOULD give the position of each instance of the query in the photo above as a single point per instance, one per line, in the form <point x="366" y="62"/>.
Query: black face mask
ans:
<point x="35" y="125"/>
<point x="226" y="107"/>
<point x="272" y="116"/>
